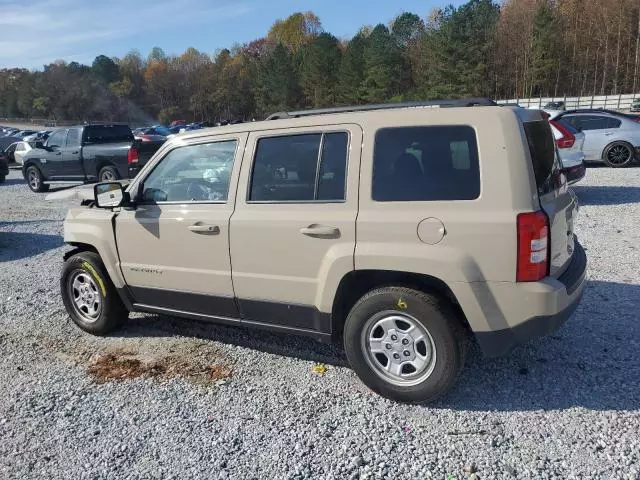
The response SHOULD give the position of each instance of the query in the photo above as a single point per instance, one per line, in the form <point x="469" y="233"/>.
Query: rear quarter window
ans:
<point x="542" y="148"/>
<point x="426" y="164"/>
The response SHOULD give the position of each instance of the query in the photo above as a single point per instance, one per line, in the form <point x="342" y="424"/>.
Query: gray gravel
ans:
<point x="566" y="406"/>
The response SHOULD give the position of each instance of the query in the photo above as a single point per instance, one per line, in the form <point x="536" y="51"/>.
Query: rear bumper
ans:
<point x="575" y="174"/>
<point x="546" y="305"/>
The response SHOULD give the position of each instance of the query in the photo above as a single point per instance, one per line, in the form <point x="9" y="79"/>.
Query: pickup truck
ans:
<point x="84" y="154"/>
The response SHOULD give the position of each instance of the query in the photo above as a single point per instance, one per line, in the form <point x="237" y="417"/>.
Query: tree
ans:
<point x="319" y="70"/>
<point x="105" y="69"/>
<point x="383" y="65"/>
<point x="406" y="28"/>
<point x="276" y="84"/>
<point x="296" y="30"/>
<point x="545" y="51"/>
<point x="351" y="74"/>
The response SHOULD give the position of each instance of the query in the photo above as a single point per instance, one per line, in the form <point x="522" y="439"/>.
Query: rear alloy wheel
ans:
<point x="108" y="174"/>
<point x="618" y="155"/>
<point x="35" y="180"/>
<point x="404" y="344"/>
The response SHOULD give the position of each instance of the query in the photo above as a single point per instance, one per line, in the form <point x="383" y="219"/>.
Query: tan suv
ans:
<point x="399" y="230"/>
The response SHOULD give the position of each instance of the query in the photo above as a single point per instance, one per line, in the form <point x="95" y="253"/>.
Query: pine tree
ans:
<point x="383" y="65"/>
<point x="351" y="74"/>
<point x="319" y="70"/>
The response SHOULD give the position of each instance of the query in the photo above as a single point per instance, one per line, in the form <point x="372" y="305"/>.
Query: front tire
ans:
<point x="108" y="174"/>
<point x="404" y="344"/>
<point x="89" y="295"/>
<point x="619" y="155"/>
<point x="35" y="180"/>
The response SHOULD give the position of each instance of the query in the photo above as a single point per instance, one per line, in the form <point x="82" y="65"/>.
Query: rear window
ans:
<point x="417" y="164"/>
<point x="107" y="133"/>
<point x="543" y="155"/>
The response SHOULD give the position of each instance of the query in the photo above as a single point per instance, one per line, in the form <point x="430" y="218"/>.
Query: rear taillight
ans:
<point x="568" y="139"/>
<point x="533" y="247"/>
<point x="132" y="157"/>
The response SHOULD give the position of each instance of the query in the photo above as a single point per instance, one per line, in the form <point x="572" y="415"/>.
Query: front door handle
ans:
<point x="75" y="152"/>
<point x="204" y="229"/>
<point x="320" y="231"/>
<point x="58" y="153"/>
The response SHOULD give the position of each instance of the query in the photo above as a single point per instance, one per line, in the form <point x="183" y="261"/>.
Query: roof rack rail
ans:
<point x="465" y="102"/>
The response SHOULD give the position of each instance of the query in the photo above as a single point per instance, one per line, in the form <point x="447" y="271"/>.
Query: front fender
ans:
<point x="94" y="227"/>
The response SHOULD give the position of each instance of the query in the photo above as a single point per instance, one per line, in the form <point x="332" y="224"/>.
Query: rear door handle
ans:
<point x="58" y="153"/>
<point x="320" y="231"/>
<point x="75" y="152"/>
<point x="204" y="229"/>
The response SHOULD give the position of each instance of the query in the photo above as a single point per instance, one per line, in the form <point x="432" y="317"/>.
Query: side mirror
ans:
<point x="109" y="195"/>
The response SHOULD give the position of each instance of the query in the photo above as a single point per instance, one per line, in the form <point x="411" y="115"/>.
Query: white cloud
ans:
<point x="40" y="31"/>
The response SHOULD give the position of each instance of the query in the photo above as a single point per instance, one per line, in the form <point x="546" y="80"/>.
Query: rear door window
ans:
<point x="546" y="166"/>
<point x="417" y="164"/>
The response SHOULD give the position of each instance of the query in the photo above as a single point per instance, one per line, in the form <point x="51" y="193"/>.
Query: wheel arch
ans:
<point x="614" y="142"/>
<point x="358" y="282"/>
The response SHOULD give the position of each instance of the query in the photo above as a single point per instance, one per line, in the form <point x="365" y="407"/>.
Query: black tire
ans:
<point x="108" y="174"/>
<point x="2" y="178"/>
<point x="619" y="155"/>
<point x="111" y="312"/>
<point x="436" y="316"/>
<point x="35" y="180"/>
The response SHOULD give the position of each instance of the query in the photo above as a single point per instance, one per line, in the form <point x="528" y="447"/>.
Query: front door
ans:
<point x="73" y="167"/>
<point x="174" y="247"/>
<point x="52" y="161"/>
<point x="293" y="230"/>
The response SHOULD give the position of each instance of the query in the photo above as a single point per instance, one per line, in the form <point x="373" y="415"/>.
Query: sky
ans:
<point x="37" y="32"/>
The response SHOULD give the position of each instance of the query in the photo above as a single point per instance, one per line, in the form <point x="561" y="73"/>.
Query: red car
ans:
<point x="175" y="123"/>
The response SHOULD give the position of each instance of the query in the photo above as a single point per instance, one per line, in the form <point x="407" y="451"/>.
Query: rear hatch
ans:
<point x="556" y="199"/>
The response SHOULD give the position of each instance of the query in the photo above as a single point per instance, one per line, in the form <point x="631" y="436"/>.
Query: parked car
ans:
<point x="555" y="106"/>
<point x="635" y="106"/>
<point x="569" y="141"/>
<point x="157" y="133"/>
<point x="86" y="153"/>
<point x="433" y="259"/>
<point x="22" y="134"/>
<point x="38" y="136"/>
<point x="4" y="166"/>
<point x="612" y="139"/>
<point x="21" y="150"/>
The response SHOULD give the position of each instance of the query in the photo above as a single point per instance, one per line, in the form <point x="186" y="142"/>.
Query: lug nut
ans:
<point x="396" y="356"/>
<point x="405" y="341"/>
<point x="394" y="337"/>
<point x="406" y="353"/>
<point x="388" y="346"/>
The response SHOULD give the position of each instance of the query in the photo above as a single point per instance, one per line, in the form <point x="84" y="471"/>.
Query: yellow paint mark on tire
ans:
<point x="97" y="277"/>
<point x="401" y="304"/>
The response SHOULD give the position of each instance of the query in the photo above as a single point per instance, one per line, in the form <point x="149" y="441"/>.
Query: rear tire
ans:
<point x="89" y="296"/>
<point x="35" y="180"/>
<point x="108" y="174"/>
<point x="405" y="344"/>
<point x="619" y="155"/>
<point x="2" y="178"/>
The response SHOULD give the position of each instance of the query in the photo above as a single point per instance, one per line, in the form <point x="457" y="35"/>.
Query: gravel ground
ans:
<point x="566" y="406"/>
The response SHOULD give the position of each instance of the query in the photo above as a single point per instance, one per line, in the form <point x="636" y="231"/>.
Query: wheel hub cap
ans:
<point x="84" y="294"/>
<point x="398" y="348"/>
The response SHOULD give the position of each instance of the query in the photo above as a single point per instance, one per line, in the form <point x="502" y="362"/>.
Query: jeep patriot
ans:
<point x="399" y="230"/>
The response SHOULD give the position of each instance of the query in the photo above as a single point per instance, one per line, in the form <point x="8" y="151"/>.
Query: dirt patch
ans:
<point x="123" y="364"/>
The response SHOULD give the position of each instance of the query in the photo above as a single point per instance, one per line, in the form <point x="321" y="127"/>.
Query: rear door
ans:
<point x="293" y="229"/>
<point x="599" y="130"/>
<point x="556" y="199"/>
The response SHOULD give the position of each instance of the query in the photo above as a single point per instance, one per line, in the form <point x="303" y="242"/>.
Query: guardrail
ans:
<point x="613" y="102"/>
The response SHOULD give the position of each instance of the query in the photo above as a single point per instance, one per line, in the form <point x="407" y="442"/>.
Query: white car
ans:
<point x="569" y="141"/>
<point x="610" y="138"/>
<point x="19" y="150"/>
